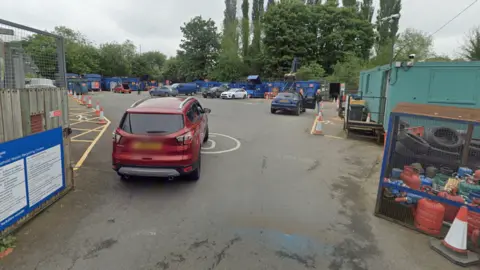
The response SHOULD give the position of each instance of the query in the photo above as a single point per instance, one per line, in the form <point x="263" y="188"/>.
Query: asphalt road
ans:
<point x="284" y="199"/>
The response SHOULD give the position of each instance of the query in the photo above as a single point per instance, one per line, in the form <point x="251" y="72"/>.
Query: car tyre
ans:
<point x="123" y="177"/>
<point x="244" y="96"/>
<point x="205" y="139"/>
<point x="195" y="175"/>
<point x="273" y="111"/>
<point x="298" y="111"/>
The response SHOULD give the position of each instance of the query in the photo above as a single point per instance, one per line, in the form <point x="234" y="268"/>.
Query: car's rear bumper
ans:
<point x="286" y="107"/>
<point x="161" y="171"/>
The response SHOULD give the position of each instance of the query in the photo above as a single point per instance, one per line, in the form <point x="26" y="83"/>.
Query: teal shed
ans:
<point x="441" y="83"/>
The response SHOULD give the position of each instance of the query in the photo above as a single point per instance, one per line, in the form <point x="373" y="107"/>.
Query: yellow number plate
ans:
<point x="147" y="146"/>
<point x="284" y="101"/>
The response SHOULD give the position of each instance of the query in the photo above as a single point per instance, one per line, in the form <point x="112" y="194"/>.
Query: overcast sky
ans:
<point x="155" y="24"/>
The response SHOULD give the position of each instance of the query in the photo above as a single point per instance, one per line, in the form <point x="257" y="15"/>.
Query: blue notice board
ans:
<point x="31" y="172"/>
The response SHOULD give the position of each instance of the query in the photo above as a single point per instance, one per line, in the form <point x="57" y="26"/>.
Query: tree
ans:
<point x="312" y="71"/>
<point x="340" y="31"/>
<point x="42" y="51"/>
<point x="116" y="59"/>
<point x="172" y="70"/>
<point x="366" y="10"/>
<point x="255" y="53"/>
<point x="349" y="3"/>
<point x="413" y="41"/>
<point x="387" y="30"/>
<point x="149" y="63"/>
<point x="80" y="55"/>
<point x="245" y="28"/>
<point x="471" y="48"/>
<point x="200" y="46"/>
<point x="348" y="71"/>
<point x="286" y="35"/>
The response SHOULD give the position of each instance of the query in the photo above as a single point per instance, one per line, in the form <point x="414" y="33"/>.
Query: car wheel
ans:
<point x="244" y="96"/>
<point x="195" y="175"/>
<point x="123" y="177"/>
<point x="298" y="111"/>
<point x="273" y="111"/>
<point x="206" y="136"/>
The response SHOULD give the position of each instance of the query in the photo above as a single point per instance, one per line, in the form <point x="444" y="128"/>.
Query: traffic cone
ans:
<point x="318" y="124"/>
<point x="89" y="102"/>
<point x="454" y="246"/>
<point x="97" y="109"/>
<point x="75" y="96"/>
<point x="82" y="100"/>
<point x="368" y="118"/>
<point x="101" y="119"/>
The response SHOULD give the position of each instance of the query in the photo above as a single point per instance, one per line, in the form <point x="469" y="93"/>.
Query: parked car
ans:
<point x="122" y="88"/>
<point x="214" y="92"/>
<point x="234" y="93"/>
<point x="288" y="101"/>
<point x="163" y="91"/>
<point x="186" y="88"/>
<point x="161" y="137"/>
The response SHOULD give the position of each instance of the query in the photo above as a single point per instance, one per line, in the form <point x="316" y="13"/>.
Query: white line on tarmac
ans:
<point x="237" y="146"/>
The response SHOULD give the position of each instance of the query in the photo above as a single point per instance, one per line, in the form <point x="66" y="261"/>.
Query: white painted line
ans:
<point x="237" y="146"/>
<point x="212" y="145"/>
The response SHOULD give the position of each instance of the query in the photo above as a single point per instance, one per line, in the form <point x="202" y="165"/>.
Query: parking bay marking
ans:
<point x="213" y="135"/>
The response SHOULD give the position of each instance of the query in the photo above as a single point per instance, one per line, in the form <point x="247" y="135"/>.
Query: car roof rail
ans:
<point x="138" y="102"/>
<point x="185" y="102"/>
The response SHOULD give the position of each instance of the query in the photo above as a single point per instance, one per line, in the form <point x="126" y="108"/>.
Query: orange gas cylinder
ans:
<point x="429" y="216"/>
<point x="410" y="177"/>
<point x="450" y="210"/>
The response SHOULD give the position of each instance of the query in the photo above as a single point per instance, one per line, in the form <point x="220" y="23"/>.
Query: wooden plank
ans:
<point x="32" y="98"/>
<point x="53" y="107"/>
<point x="41" y="105"/>
<point x="48" y="108"/>
<point x="2" y="136"/>
<point x="58" y="97"/>
<point x="7" y="114"/>
<point x="25" y="111"/>
<point x="17" y="128"/>
<point x="438" y="111"/>
<point x="65" y="108"/>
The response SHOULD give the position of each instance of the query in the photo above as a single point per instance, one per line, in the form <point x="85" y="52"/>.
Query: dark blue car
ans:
<point x="290" y="102"/>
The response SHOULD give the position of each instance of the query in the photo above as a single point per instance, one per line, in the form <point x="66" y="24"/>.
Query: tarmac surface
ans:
<point x="271" y="196"/>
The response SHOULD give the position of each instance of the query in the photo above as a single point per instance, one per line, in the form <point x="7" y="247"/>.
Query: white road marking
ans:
<point x="237" y="145"/>
<point x="212" y="145"/>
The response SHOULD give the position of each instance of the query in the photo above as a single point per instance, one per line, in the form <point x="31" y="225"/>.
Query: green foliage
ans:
<point x="471" y="48"/>
<point x="348" y="71"/>
<point x="312" y="71"/>
<point x="413" y="41"/>
<point x="7" y="242"/>
<point x="387" y="30"/>
<point x="245" y="28"/>
<point x="200" y="47"/>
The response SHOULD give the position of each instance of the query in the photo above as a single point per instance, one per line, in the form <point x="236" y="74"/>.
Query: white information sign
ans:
<point x="44" y="170"/>
<point x="13" y="192"/>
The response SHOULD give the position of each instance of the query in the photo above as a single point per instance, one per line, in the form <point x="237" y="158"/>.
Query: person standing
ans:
<point x="318" y="99"/>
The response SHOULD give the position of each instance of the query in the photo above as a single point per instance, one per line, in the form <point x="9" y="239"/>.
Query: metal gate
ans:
<point x="33" y="103"/>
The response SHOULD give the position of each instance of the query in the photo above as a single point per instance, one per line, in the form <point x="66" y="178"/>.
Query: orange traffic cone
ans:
<point x="97" y="109"/>
<point x="89" y="102"/>
<point x="454" y="246"/>
<point x="82" y="100"/>
<point x="101" y="119"/>
<point x="75" y="95"/>
<point x="318" y="124"/>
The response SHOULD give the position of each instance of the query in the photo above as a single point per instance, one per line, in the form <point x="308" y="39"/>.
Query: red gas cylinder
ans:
<point x="473" y="220"/>
<point x="429" y="216"/>
<point x="450" y="210"/>
<point x="410" y="177"/>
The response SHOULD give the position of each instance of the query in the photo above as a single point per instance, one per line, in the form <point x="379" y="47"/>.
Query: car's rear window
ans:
<point x="148" y="123"/>
<point x="125" y="86"/>
<point x="285" y="95"/>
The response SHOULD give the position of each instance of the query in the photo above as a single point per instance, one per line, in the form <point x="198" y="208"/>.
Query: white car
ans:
<point x="234" y="93"/>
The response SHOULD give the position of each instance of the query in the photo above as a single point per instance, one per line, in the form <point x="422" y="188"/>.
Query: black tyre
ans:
<point x="414" y="143"/>
<point x="123" y="177"/>
<point x="206" y="136"/>
<point x="273" y="111"/>
<point x="195" y="175"/>
<point x="204" y="96"/>
<point x="245" y="96"/>
<point x="444" y="138"/>
<point x="298" y="111"/>
<point x="443" y="154"/>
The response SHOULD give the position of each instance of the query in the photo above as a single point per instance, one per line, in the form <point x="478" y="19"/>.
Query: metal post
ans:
<point x="62" y="69"/>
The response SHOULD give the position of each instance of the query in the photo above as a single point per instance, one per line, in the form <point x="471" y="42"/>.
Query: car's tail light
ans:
<point x="186" y="138"/>
<point x="116" y="137"/>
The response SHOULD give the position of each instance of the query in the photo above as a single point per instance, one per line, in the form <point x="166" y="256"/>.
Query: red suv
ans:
<point x="161" y="137"/>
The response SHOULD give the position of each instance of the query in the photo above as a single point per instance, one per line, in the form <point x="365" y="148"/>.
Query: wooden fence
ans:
<point x="27" y="111"/>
